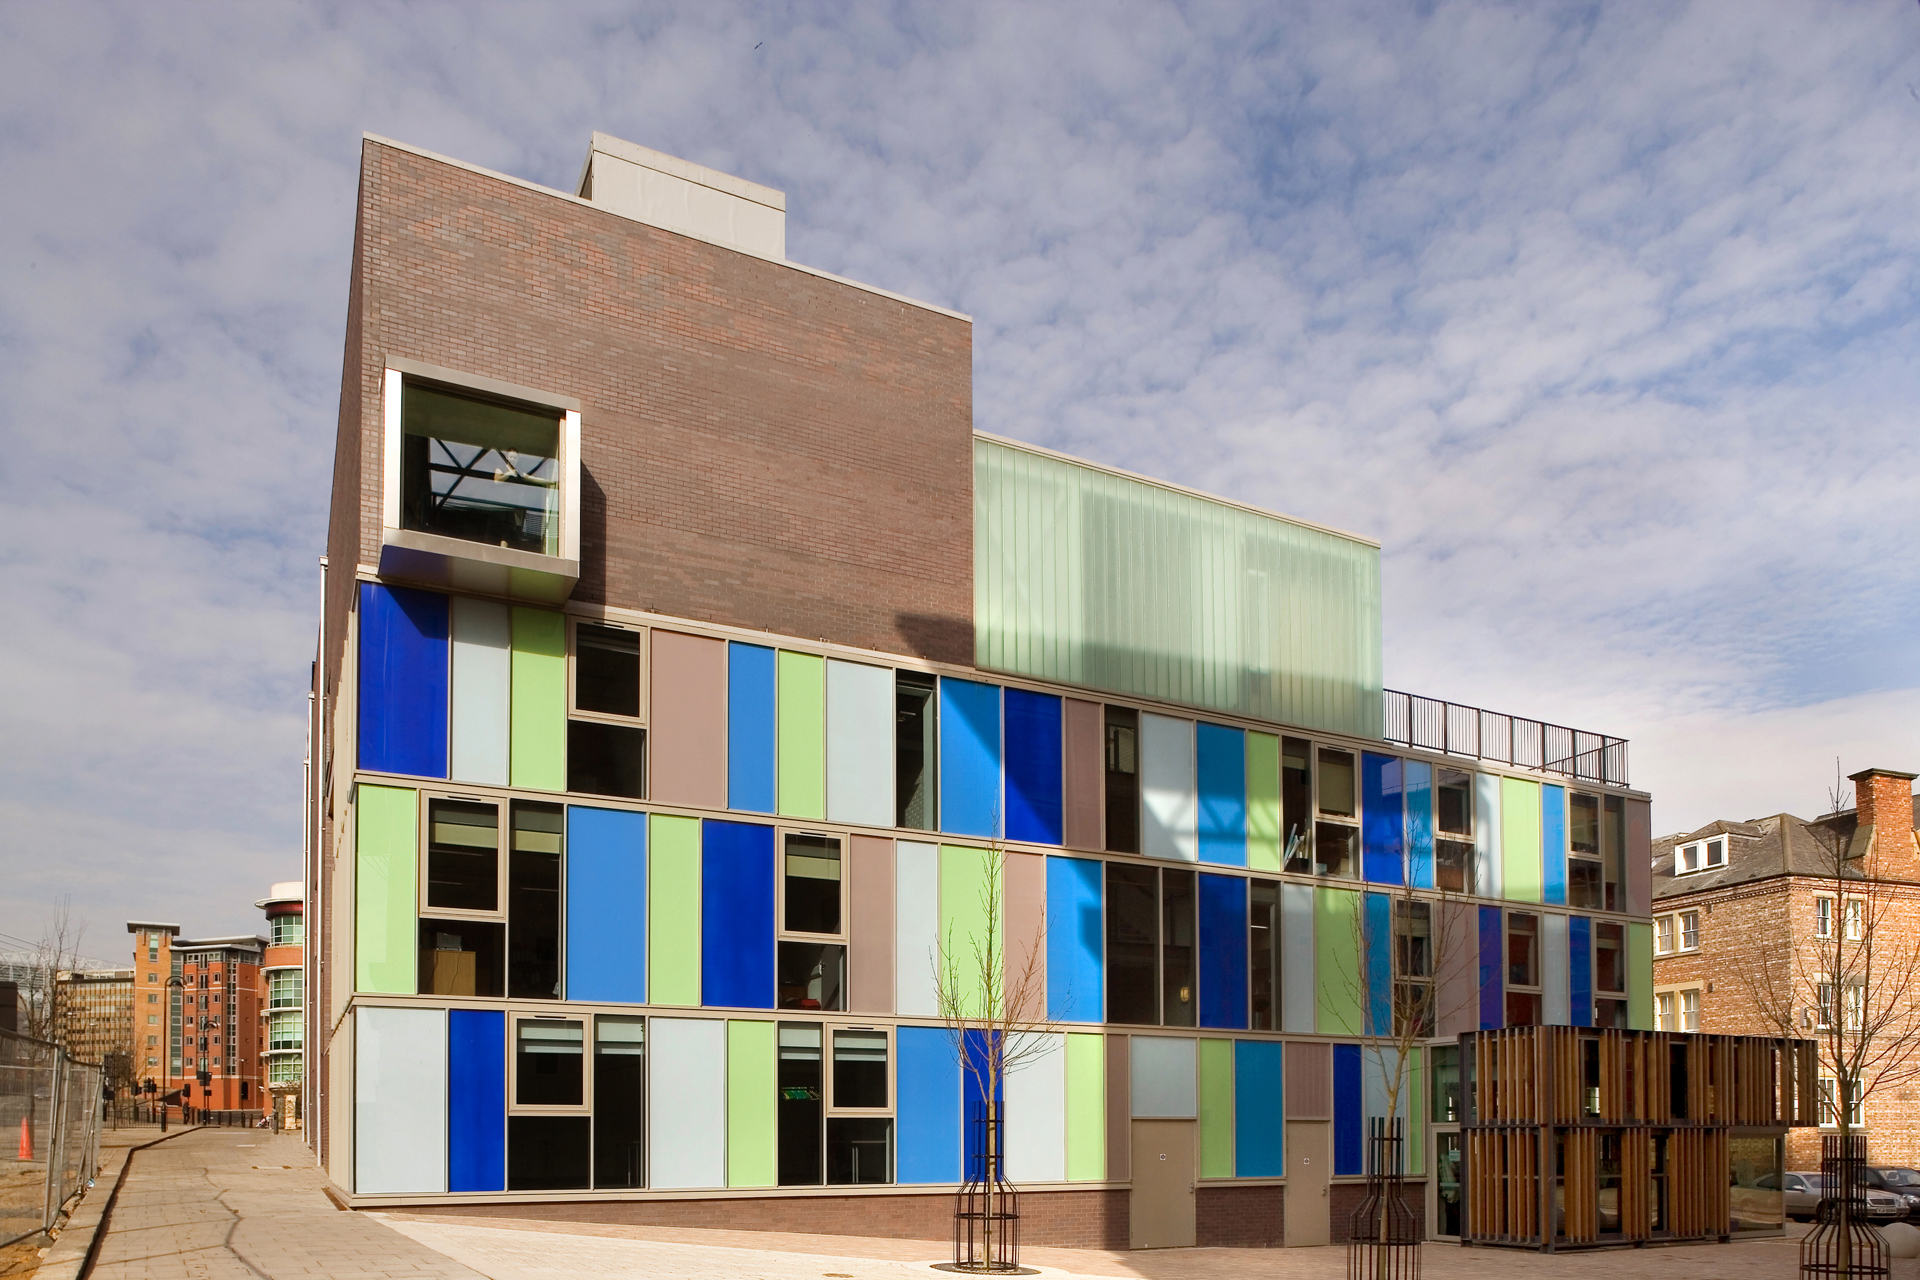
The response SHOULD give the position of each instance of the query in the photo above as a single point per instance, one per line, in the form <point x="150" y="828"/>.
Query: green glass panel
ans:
<point x="750" y="1102"/>
<point x="1263" y="801"/>
<point x="539" y="700"/>
<point x="1336" y="960"/>
<point x="1640" y="977"/>
<point x="964" y="936"/>
<point x="803" y="735"/>
<point x="1416" y="1109"/>
<point x="673" y="910"/>
<point x="1519" y="840"/>
<point x="1099" y="579"/>
<point x="386" y="881"/>
<point x="1216" y="1109"/>
<point x="1086" y="1107"/>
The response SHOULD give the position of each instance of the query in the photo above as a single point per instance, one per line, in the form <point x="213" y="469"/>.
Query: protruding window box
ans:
<point x="482" y="485"/>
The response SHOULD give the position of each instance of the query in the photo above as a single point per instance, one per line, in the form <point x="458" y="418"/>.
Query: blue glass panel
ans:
<point x="1493" y="1012"/>
<point x="927" y="1147"/>
<point x="1075" y="940"/>
<point x="1259" y="1111"/>
<point x="750" y="722"/>
<point x="736" y="916"/>
<point x="1033" y="766"/>
<point x="403" y="681"/>
<point x="476" y="1100"/>
<point x="1223" y="951"/>
<point x="1553" y="844"/>
<point x="1221" y="762"/>
<point x="1379" y="961"/>
<point x="606" y="905"/>
<point x="1419" y="779"/>
<point x="979" y="1045"/>
<point x="970" y="758"/>
<point x="1349" y="1120"/>
<point x="1580" y="969"/>
<point x="1382" y="822"/>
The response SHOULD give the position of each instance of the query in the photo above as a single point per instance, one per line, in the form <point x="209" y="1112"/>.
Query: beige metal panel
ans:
<point x="1456" y="992"/>
<point x="1085" y="777"/>
<point x="1119" y="1110"/>
<point x="1161" y="1209"/>
<point x="1309" y="1085"/>
<point x="1025" y="880"/>
<point x="687" y="740"/>
<point x="870" y="925"/>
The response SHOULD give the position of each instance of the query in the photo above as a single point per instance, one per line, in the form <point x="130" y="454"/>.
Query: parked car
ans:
<point x="1802" y="1191"/>
<point x="1895" y="1180"/>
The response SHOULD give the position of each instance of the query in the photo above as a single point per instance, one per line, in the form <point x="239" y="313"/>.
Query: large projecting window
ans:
<point x="480" y="470"/>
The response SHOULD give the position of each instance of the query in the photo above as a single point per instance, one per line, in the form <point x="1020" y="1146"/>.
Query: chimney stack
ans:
<point x="1883" y="799"/>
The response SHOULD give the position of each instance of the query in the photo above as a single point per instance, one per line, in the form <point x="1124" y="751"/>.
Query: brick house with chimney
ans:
<point x="1733" y="901"/>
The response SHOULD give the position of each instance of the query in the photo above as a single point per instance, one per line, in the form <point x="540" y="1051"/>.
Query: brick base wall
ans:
<point x="1240" y="1217"/>
<point x="1063" y="1219"/>
<point x="1343" y="1198"/>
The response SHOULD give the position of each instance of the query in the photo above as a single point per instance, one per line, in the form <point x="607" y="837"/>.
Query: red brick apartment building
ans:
<point x="1747" y="918"/>
<point x="196" y="1007"/>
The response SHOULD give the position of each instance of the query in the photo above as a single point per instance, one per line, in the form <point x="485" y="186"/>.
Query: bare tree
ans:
<point x="56" y="953"/>
<point x="1853" y="987"/>
<point x="993" y="1000"/>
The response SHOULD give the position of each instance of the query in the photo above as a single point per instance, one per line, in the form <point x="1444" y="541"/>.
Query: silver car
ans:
<point x="1802" y="1192"/>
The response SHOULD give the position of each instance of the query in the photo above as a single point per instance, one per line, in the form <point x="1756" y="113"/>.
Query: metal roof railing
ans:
<point x="1433" y="725"/>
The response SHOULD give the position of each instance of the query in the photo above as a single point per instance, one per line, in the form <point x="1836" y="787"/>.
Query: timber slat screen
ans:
<point x="1577" y="1138"/>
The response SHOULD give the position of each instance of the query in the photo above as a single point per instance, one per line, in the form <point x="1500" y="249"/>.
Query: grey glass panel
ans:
<point x="1133" y="944"/>
<point x="1179" y="976"/>
<point x="1263" y="954"/>
<point x="1123" y="779"/>
<point x="548" y="1153"/>
<point x="1454" y="801"/>
<point x="463" y="856"/>
<point x="811" y="975"/>
<point x="606" y="670"/>
<point x="1296" y="803"/>
<point x="619" y="1102"/>
<point x="810" y="866"/>
<point x="462" y="957"/>
<point x="860" y="1069"/>
<point x="606" y="759"/>
<point x="916" y="746"/>
<point x="479" y="470"/>
<point x="548" y="1062"/>
<point x="801" y="1082"/>
<point x="533" y="902"/>
<point x="859" y="1150"/>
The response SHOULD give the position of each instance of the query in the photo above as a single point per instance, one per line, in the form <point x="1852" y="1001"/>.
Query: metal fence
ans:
<point x="49" y="1133"/>
<point x="1433" y="725"/>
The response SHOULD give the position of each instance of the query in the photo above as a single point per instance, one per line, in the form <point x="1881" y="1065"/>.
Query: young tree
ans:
<point x="56" y="953"/>
<point x="993" y="999"/>
<point x="1852" y="987"/>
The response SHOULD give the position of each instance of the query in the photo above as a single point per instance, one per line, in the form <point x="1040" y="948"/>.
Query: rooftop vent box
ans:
<point x="677" y="195"/>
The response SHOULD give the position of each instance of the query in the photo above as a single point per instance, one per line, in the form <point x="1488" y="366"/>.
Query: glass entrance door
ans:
<point x="1450" y="1184"/>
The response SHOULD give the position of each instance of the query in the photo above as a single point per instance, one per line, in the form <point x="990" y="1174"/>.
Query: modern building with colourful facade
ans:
<point x="689" y="667"/>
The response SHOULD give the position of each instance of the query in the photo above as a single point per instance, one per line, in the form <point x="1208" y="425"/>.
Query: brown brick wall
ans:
<point x="1344" y="1198"/>
<point x="761" y="447"/>
<point x="1758" y="952"/>
<point x="1062" y="1219"/>
<point x="1240" y="1217"/>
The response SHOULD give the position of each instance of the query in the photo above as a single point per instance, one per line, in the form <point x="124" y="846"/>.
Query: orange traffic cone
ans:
<point x="26" y="1140"/>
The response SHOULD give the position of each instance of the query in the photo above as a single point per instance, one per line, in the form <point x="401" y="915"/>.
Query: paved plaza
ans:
<point x="217" y="1203"/>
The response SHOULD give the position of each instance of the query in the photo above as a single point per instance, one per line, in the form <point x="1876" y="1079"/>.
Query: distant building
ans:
<point x="196" y="1007"/>
<point x="283" y="982"/>
<point x="1732" y="896"/>
<point x="96" y="1012"/>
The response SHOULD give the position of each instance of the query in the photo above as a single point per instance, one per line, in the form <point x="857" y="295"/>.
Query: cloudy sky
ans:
<point x="1602" y="317"/>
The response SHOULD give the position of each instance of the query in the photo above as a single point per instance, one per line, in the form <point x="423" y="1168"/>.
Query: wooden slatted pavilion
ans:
<point x="1579" y="1138"/>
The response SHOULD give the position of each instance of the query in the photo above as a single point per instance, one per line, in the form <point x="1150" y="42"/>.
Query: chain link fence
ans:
<point x="49" y="1133"/>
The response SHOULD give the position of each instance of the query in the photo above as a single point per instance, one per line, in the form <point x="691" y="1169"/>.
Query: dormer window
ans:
<point x="1702" y="855"/>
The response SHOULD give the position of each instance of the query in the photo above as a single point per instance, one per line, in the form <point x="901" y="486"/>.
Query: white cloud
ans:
<point x="1602" y="318"/>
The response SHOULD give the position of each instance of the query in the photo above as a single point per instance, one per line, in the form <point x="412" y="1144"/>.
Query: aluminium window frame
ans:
<point x="643" y="633"/>
<point x="819" y="832"/>
<point x="830" y="1104"/>
<point x="503" y="821"/>
<point x="519" y="1012"/>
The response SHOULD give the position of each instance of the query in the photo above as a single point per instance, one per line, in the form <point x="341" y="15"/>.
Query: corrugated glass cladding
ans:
<point x="1096" y="579"/>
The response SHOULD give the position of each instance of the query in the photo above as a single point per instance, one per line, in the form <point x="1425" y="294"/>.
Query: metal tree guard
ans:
<point x="1383" y="1241"/>
<point x="986" y="1212"/>
<point x="1843" y="1245"/>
